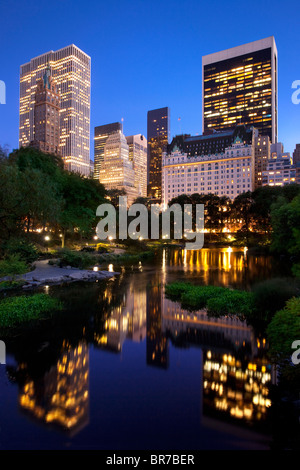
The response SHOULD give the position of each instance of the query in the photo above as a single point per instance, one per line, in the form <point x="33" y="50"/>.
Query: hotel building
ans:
<point x="101" y="134"/>
<point x="117" y="171"/>
<point x="227" y="169"/>
<point x="158" y="136"/>
<point x="71" y="70"/>
<point x="138" y="156"/>
<point x="239" y="86"/>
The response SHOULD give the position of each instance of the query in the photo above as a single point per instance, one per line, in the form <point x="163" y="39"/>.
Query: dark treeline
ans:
<point x="36" y="193"/>
<point x="272" y="213"/>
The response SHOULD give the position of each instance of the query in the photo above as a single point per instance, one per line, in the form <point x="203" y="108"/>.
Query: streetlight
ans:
<point x="47" y="238"/>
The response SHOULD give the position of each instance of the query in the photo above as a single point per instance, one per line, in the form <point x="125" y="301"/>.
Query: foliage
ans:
<point x="218" y="300"/>
<point x="8" y="285"/>
<point x="16" y="311"/>
<point x="21" y="247"/>
<point x="282" y="331"/>
<point x="231" y="302"/>
<point x="12" y="265"/>
<point x="271" y="295"/>
<point x="124" y="257"/>
<point x="42" y="194"/>
<point x="75" y="259"/>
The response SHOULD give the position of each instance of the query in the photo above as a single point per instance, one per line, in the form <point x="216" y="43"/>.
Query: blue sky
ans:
<point x="147" y="54"/>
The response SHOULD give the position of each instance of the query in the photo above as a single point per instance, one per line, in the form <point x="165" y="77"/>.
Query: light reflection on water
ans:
<point x="233" y="372"/>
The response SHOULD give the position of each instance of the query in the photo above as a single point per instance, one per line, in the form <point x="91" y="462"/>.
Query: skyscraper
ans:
<point x="261" y="158"/>
<point x="101" y="134"/>
<point x="158" y="136"/>
<point x="46" y="115"/>
<point x="71" y="70"/>
<point x="117" y="171"/>
<point x="138" y="156"/>
<point x="239" y="86"/>
<point x="296" y="155"/>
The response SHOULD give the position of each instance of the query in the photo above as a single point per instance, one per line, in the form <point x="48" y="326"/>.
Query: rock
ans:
<point x="76" y="276"/>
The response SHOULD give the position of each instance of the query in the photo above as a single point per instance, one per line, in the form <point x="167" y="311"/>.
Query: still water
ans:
<point x="126" y="368"/>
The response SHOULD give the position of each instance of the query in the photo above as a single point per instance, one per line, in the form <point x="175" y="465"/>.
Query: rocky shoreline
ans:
<point x="44" y="274"/>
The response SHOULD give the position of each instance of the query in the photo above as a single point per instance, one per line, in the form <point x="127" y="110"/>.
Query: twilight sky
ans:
<point x="147" y="54"/>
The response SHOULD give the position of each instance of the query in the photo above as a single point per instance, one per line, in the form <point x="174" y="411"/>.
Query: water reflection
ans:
<point x="235" y="373"/>
<point x="61" y="396"/>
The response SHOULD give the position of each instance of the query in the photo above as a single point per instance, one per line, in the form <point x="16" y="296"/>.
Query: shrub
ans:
<point x="12" y="266"/>
<point x="282" y="331"/>
<point x="271" y="296"/>
<point x="25" y="250"/>
<point x="15" y="311"/>
<point x="231" y="302"/>
<point x="198" y="296"/>
<point x="75" y="259"/>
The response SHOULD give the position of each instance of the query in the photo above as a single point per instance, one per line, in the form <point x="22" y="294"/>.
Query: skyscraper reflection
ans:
<point x="61" y="396"/>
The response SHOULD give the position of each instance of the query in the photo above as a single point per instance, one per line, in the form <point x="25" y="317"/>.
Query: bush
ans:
<point x="271" y="296"/>
<point x="25" y="250"/>
<point x="231" y="302"/>
<point x="282" y="331"/>
<point x="16" y="311"/>
<point x="218" y="300"/>
<point x="75" y="259"/>
<point x="198" y="296"/>
<point x="12" y="266"/>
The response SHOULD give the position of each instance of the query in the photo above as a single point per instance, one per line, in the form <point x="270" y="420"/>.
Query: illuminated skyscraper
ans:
<point x="239" y="86"/>
<point x="71" y="70"/>
<point x="46" y="115"/>
<point x="117" y="171"/>
<point x="138" y="155"/>
<point x="101" y="135"/>
<point x="158" y="136"/>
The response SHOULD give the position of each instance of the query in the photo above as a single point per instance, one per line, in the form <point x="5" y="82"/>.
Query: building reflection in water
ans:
<point x="235" y="375"/>
<point x="61" y="396"/>
<point x="126" y="320"/>
<point x="222" y="266"/>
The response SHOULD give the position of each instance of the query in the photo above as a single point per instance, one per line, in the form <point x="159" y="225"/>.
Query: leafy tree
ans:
<point x="81" y="197"/>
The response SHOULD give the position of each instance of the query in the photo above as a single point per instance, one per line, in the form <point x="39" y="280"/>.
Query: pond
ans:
<point x="127" y="368"/>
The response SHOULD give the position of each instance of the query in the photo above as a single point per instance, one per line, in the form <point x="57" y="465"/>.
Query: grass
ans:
<point x="18" y="311"/>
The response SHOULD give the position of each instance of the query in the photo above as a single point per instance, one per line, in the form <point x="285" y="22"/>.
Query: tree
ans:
<point x="242" y="210"/>
<point x="81" y="197"/>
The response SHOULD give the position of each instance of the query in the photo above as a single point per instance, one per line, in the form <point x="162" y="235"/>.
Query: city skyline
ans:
<point x="139" y="90"/>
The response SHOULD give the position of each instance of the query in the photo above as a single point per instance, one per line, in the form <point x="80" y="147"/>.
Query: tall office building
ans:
<point x="117" y="171"/>
<point x="46" y="115"/>
<point x="71" y="70"/>
<point x="138" y="156"/>
<point x="261" y="158"/>
<point x="158" y="136"/>
<point x="239" y="86"/>
<point x="296" y="154"/>
<point x="101" y="134"/>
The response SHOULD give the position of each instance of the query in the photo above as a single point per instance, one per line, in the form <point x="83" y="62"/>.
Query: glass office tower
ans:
<point x="158" y="136"/>
<point x="100" y="137"/>
<point x="239" y="86"/>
